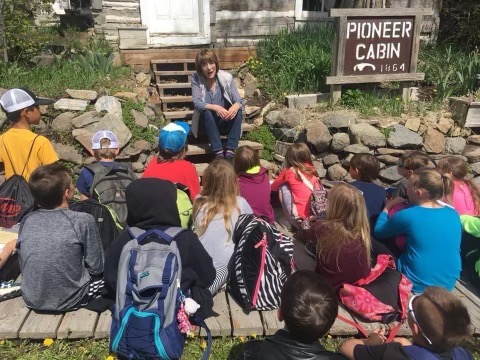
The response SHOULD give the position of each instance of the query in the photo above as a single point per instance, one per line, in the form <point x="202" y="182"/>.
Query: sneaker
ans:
<point x="311" y="249"/>
<point x="9" y="290"/>
<point x="219" y="154"/>
<point x="229" y="154"/>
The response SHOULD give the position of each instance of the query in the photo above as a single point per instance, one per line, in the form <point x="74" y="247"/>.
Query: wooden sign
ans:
<point x="375" y="45"/>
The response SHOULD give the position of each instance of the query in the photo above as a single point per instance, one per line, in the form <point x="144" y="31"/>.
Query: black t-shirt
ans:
<point x="395" y="351"/>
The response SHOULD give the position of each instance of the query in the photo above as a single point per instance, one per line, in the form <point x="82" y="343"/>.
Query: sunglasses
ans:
<point x="412" y="314"/>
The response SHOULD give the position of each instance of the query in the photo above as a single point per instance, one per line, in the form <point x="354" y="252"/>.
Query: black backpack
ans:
<point x="16" y="200"/>
<point x="260" y="265"/>
<point x="103" y="217"/>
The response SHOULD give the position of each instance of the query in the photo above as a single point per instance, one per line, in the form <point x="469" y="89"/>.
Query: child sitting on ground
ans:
<point x="465" y="197"/>
<point x="253" y="181"/>
<point x="440" y="323"/>
<point x="432" y="230"/>
<point x="309" y="308"/>
<point x="293" y="183"/>
<point x="364" y="168"/>
<point x="215" y="213"/>
<point x="170" y="164"/>
<point x="407" y="164"/>
<point x="61" y="255"/>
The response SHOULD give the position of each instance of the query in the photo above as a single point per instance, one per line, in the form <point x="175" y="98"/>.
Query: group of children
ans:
<point x="420" y="225"/>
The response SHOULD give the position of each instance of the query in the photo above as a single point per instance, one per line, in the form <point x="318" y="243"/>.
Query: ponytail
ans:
<point x="447" y="184"/>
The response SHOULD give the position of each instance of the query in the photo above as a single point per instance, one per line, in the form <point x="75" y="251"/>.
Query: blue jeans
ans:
<point x="214" y="126"/>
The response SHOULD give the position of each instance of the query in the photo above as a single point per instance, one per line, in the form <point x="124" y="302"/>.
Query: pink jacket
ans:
<point x="462" y="199"/>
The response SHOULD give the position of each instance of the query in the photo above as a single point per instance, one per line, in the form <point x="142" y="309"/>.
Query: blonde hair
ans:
<point x="105" y="152"/>
<point x="298" y="157"/>
<point x="346" y="221"/>
<point x="458" y="170"/>
<point x="437" y="185"/>
<point x="218" y="196"/>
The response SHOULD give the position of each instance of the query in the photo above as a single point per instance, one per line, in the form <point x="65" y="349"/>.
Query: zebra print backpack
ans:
<point x="260" y="265"/>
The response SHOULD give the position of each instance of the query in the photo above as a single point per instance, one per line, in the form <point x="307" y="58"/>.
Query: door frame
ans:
<point x="161" y="40"/>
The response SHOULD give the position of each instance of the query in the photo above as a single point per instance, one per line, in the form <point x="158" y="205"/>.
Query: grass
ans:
<point x="223" y="348"/>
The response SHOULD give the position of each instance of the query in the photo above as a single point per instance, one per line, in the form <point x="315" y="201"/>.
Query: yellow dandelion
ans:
<point x="254" y="335"/>
<point x="329" y="336"/>
<point x="203" y="344"/>
<point x="434" y="90"/>
<point x="2" y="342"/>
<point x="242" y="339"/>
<point x="285" y="94"/>
<point x="190" y="335"/>
<point x="110" y="357"/>
<point x="397" y="98"/>
<point x="48" y="342"/>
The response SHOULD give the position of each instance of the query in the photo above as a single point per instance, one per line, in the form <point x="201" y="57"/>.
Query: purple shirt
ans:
<point x="255" y="188"/>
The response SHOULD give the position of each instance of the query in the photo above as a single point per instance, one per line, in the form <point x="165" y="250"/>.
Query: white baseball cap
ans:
<point x="105" y="134"/>
<point x="21" y="98"/>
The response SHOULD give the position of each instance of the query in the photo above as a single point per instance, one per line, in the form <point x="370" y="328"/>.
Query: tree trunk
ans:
<point x="2" y="30"/>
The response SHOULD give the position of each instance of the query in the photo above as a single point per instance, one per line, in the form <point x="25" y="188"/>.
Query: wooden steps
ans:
<point x="203" y="149"/>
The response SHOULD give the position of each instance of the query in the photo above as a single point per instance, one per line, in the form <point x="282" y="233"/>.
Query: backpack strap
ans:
<point x="356" y="325"/>
<point x="201" y="323"/>
<point x="168" y="234"/>
<point x="306" y="181"/>
<point x="28" y="156"/>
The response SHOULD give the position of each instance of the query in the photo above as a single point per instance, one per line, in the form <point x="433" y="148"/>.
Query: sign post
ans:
<point x="375" y="45"/>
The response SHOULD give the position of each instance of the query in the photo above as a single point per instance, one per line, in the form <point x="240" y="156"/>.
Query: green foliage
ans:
<point x="451" y="71"/>
<point x="295" y="61"/>
<point x="94" y="62"/>
<point x="138" y="133"/>
<point x="264" y="136"/>
<point x="24" y="39"/>
<point x="52" y="80"/>
<point x="370" y="104"/>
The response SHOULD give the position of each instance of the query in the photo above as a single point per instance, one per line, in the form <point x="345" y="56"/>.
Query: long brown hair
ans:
<point x="245" y="158"/>
<point x="204" y="57"/>
<point x="218" y="196"/>
<point x="458" y="169"/>
<point x="298" y="157"/>
<point x="346" y="221"/>
<point x="437" y="185"/>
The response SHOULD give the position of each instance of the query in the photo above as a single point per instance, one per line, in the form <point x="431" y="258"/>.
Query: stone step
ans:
<point x="202" y="149"/>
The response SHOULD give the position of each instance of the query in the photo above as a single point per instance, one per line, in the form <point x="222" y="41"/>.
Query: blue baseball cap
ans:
<point x="174" y="136"/>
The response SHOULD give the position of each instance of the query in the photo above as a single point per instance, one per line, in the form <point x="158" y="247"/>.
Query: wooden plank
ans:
<point x="173" y="61"/>
<point x="176" y="99"/>
<point x="380" y="12"/>
<point x="271" y="324"/>
<point x="40" y="326"/>
<point x="13" y="313"/>
<point x="173" y="85"/>
<point x="244" y="324"/>
<point x="219" y="325"/>
<point x="416" y="43"/>
<point x="255" y="5"/>
<point x="251" y="27"/>
<point x="178" y="114"/>
<point x="201" y="167"/>
<point x="202" y="149"/>
<point x="78" y="324"/>
<point x="359" y="79"/>
<point x="472" y="307"/>
<point x="102" y="330"/>
<point x="164" y="73"/>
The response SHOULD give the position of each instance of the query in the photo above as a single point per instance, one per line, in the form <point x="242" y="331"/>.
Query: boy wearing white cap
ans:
<point x="21" y="150"/>
<point x="170" y="164"/>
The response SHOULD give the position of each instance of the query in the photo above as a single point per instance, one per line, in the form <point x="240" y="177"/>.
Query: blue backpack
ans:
<point x="148" y="296"/>
<point x="419" y="353"/>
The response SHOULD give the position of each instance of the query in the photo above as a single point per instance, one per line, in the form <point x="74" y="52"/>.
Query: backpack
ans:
<point x="184" y="205"/>
<point x="317" y="201"/>
<point x="103" y="217"/>
<point x="261" y="262"/>
<point x="148" y="297"/>
<point x="108" y="188"/>
<point x="382" y="296"/>
<point x="470" y="252"/>
<point x="16" y="200"/>
<point x="419" y="353"/>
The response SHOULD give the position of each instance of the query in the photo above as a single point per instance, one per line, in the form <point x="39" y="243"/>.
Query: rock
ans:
<point x="67" y="153"/>
<point x="272" y="117"/>
<point x="474" y="139"/>
<point x="90" y="117"/>
<point x="267" y="108"/>
<point x="322" y="172"/>
<point x="126" y="95"/>
<point x="89" y="95"/>
<point x="143" y="158"/>
<point x="457" y="131"/>
<point x="290" y="118"/>
<point x="142" y="93"/>
<point x="140" y="68"/>
<point x="251" y="85"/>
<point x="401" y="137"/>
<point x="434" y="141"/>
<point x="339" y="120"/>
<point x="356" y="149"/>
<point x="413" y="124"/>
<point x="143" y="79"/>
<point x="41" y="126"/>
<point x="455" y="145"/>
<point x="329" y="160"/>
<point x="63" y="122"/>
<point x="388" y="159"/>
<point x="336" y="172"/>
<point x="89" y="160"/>
<point x="117" y="59"/>
<point x="472" y="153"/>
<point x="422" y="129"/>
<point x="116" y="125"/>
<point x="142" y="145"/>
<point x="268" y="165"/>
<point x="367" y="135"/>
<point x="346" y="161"/>
<point x="393" y="152"/>
<point x="109" y="104"/>
<point x="71" y="104"/>
<point x="339" y="142"/>
<point x="241" y="92"/>
<point x="128" y="152"/>
<point x="444" y="125"/>
<point x="84" y="137"/>
<point x="285" y="134"/>
<point x="390" y="174"/>
<point x="138" y="166"/>
<point x="258" y="121"/>
<point x="148" y="112"/>
<point x="385" y="123"/>
<point x="3" y="118"/>
<point x="476" y="180"/>
<point x="475" y="168"/>
<point x="318" y="135"/>
<point x="251" y="111"/>
<point x="140" y="118"/>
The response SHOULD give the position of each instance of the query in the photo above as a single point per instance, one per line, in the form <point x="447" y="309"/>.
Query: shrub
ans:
<point x="138" y="133"/>
<point x="371" y="104"/>
<point x="264" y="136"/>
<point x="294" y="61"/>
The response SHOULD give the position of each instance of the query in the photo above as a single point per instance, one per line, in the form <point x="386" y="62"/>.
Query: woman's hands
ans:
<point x="225" y="114"/>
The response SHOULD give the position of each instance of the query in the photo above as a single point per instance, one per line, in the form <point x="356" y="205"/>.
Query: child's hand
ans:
<point x="376" y="337"/>
<point x="393" y="202"/>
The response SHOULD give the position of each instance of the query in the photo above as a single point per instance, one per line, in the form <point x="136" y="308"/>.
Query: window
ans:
<point x="311" y="9"/>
